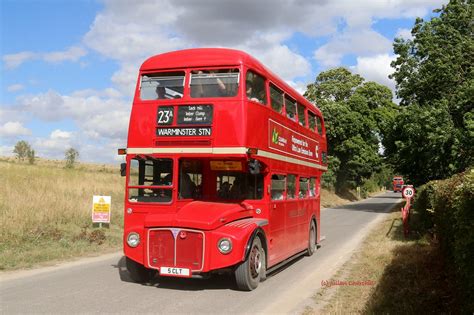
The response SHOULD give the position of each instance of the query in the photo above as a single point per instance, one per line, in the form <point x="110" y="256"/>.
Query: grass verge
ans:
<point x="391" y="275"/>
<point x="46" y="212"/>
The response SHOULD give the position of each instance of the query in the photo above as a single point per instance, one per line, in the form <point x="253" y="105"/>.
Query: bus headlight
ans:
<point x="133" y="239"/>
<point x="224" y="245"/>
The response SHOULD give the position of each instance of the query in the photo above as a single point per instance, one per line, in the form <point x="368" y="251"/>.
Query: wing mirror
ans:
<point x="123" y="169"/>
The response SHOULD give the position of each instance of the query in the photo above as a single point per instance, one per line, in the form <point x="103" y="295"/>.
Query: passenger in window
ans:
<point x="255" y="92"/>
<point x="235" y="191"/>
<point x="160" y="92"/>
<point x="213" y="90"/>
<point x="224" y="191"/>
<point x="277" y="195"/>
<point x="187" y="187"/>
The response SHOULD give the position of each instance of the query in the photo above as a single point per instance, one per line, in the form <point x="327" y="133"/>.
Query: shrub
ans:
<point x="448" y="208"/>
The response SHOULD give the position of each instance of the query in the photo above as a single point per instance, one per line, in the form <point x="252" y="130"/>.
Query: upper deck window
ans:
<point x="214" y="83"/>
<point x="301" y="116"/>
<point x="319" y="124"/>
<point x="163" y="85"/>
<point x="312" y="121"/>
<point x="255" y="88"/>
<point x="276" y="97"/>
<point x="290" y="107"/>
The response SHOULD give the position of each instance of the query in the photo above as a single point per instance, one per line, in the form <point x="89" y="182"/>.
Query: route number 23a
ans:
<point x="165" y="115"/>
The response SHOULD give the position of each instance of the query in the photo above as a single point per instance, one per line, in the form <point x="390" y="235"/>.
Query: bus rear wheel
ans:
<point x="138" y="272"/>
<point x="311" y="240"/>
<point x="249" y="273"/>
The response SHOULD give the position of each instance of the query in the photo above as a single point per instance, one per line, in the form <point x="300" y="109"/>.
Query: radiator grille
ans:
<point x="181" y="248"/>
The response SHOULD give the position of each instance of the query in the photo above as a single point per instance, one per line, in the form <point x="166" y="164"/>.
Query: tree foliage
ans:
<point x="434" y="136"/>
<point x="23" y="150"/>
<point x="356" y="115"/>
<point x="71" y="155"/>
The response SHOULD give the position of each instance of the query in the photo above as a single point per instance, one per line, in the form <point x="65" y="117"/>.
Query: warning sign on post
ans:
<point x="101" y="209"/>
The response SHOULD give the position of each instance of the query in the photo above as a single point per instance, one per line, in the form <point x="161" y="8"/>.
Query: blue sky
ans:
<point x="68" y="68"/>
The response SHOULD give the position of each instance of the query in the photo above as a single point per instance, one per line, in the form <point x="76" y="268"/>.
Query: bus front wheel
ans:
<point x="249" y="273"/>
<point x="138" y="272"/>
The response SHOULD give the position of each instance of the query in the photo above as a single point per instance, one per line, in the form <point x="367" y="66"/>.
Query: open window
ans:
<point x="277" y="189"/>
<point x="150" y="180"/>
<point x="255" y="88"/>
<point x="304" y="188"/>
<point x="290" y="108"/>
<point x="276" y="98"/>
<point x="163" y="85"/>
<point x="214" y="83"/>
<point x="301" y="114"/>
<point x="291" y="187"/>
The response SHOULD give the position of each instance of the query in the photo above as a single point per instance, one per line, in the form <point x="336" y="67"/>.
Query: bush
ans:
<point x="448" y="208"/>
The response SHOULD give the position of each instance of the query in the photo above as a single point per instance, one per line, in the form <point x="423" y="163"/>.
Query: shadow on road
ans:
<point x="214" y="282"/>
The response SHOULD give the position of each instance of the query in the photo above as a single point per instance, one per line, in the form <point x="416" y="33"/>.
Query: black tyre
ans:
<point x="311" y="240"/>
<point x="249" y="273"/>
<point x="138" y="272"/>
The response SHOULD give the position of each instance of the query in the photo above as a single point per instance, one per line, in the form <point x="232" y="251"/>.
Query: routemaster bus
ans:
<point x="397" y="183"/>
<point x="223" y="169"/>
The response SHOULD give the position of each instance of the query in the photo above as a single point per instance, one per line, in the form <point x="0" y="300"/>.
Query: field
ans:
<point x="46" y="211"/>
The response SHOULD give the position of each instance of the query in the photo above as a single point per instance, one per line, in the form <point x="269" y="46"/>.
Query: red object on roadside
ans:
<point x="408" y="192"/>
<point x="397" y="183"/>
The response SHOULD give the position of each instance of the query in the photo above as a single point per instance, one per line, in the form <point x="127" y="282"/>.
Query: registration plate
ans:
<point x="175" y="272"/>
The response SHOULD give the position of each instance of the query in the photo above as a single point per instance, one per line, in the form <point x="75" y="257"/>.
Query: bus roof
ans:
<point x="216" y="57"/>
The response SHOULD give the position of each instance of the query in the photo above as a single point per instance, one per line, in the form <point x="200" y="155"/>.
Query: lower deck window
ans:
<point x="150" y="180"/>
<point x="277" y="189"/>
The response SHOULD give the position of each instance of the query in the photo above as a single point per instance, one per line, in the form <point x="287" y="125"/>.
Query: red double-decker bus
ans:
<point x="223" y="167"/>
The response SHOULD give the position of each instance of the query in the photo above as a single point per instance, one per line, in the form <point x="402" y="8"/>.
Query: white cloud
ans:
<point x="71" y="54"/>
<point x="376" y="68"/>
<point x="404" y="33"/>
<point x="14" y="129"/>
<point x="15" y="87"/>
<point x="362" y="43"/>
<point x="14" y="60"/>
<point x="60" y="135"/>
<point x="6" y="150"/>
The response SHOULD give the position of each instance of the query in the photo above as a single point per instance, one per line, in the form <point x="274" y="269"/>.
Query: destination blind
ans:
<point x="183" y="131"/>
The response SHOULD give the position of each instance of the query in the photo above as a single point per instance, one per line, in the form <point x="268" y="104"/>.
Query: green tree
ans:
<point x="434" y="137"/>
<point x="21" y="150"/>
<point x="357" y="115"/>
<point x="71" y="155"/>
<point x="31" y="156"/>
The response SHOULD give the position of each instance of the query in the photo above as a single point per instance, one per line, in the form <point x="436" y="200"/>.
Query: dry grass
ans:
<point x="46" y="211"/>
<point x="409" y="276"/>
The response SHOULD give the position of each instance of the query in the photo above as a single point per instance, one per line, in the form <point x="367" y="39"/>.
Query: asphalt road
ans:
<point x="101" y="285"/>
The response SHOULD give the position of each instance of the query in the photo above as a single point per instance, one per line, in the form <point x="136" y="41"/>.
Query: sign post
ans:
<point x="408" y="192"/>
<point x="101" y="209"/>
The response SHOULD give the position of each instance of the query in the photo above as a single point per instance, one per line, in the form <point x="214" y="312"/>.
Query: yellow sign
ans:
<point x="226" y="166"/>
<point x="101" y="209"/>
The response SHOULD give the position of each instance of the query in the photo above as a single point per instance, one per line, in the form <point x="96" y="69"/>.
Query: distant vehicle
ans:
<point x="223" y="171"/>
<point x="398" y="183"/>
